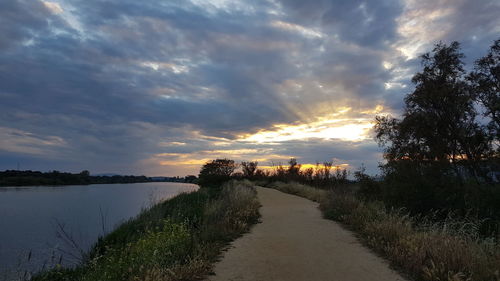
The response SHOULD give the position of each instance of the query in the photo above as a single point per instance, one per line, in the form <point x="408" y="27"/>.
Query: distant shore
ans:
<point x="15" y="178"/>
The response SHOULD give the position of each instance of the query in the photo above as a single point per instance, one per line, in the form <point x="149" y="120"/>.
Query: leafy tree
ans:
<point x="293" y="170"/>
<point x="437" y="146"/>
<point x="249" y="169"/>
<point x="215" y="172"/>
<point x="485" y="81"/>
<point x="190" y="178"/>
<point x="438" y="123"/>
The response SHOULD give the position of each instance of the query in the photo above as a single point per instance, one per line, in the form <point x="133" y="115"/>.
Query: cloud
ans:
<point x="296" y="28"/>
<point x="423" y="23"/>
<point x="23" y="142"/>
<point x="161" y="86"/>
<point x="20" y="20"/>
<point x="54" y="7"/>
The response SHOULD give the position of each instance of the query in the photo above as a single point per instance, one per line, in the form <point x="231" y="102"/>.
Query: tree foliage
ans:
<point x="441" y="153"/>
<point x="439" y="119"/>
<point x="439" y="123"/>
<point x="215" y="172"/>
<point x="249" y="169"/>
<point x="485" y="81"/>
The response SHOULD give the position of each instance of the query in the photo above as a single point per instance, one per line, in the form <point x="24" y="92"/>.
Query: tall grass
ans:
<point x="311" y="193"/>
<point x="178" y="239"/>
<point x="426" y="249"/>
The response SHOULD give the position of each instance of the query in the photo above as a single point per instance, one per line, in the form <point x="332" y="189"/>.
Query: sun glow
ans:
<point x="325" y="128"/>
<point x="54" y="7"/>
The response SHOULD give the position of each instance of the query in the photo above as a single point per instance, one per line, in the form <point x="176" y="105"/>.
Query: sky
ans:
<point x="161" y="87"/>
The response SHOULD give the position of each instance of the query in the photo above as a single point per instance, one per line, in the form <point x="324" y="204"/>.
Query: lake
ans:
<point x="33" y="219"/>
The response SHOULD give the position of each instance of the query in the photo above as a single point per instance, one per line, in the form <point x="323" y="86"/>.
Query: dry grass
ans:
<point x="449" y="250"/>
<point x="311" y="193"/>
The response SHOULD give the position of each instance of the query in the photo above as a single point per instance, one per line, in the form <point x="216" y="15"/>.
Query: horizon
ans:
<point x="161" y="88"/>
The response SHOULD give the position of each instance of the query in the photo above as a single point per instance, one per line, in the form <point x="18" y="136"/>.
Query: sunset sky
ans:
<point x="160" y="87"/>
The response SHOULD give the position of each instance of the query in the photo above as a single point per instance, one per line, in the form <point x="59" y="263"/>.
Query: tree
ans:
<point x="438" y="123"/>
<point x="485" y="80"/>
<point x="437" y="144"/>
<point x="249" y="169"/>
<point x="215" y="172"/>
<point x="190" y="178"/>
<point x="327" y="167"/>
<point x="293" y="170"/>
<point x="308" y="175"/>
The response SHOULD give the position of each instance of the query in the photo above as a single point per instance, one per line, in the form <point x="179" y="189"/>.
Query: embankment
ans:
<point x="177" y="239"/>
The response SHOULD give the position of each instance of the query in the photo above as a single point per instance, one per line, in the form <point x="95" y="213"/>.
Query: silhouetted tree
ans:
<point x="215" y="172"/>
<point x="249" y="169"/>
<point x="308" y="175"/>
<point x="438" y="123"/>
<point x="327" y="167"/>
<point x="190" y="178"/>
<point x="293" y="170"/>
<point x="279" y="172"/>
<point x="485" y="81"/>
<point x="340" y="176"/>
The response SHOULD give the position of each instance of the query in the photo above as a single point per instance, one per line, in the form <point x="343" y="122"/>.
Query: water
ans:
<point x="31" y="219"/>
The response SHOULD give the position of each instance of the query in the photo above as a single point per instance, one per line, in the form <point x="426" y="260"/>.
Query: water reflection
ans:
<point x="37" y="222"/>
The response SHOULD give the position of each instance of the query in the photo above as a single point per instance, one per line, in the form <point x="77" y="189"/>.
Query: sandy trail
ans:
<point x="294" y="242"/>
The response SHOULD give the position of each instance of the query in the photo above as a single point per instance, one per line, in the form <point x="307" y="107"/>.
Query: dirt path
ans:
<point x="294" y="242"/>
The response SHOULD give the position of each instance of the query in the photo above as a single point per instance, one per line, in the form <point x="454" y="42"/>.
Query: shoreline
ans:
<point x="177" y="239"/>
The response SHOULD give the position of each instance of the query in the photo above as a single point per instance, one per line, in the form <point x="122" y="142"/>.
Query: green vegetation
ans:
<point x="177" y="239"/>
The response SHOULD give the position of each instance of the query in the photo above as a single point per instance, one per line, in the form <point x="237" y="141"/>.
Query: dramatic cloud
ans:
<point x="160" y="87"/>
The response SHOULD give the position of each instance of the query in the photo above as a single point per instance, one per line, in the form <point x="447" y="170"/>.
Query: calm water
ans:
<point x="30" y="218"/>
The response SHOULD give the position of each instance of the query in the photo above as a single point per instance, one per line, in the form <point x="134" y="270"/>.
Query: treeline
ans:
<point x="325" y="175"/>
<point x="30" y="178"/>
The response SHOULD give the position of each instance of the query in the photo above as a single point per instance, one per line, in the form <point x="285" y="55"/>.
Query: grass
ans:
<point x="314" y="194"/>
<point x="450" y="249"/>
<point x="178" y="239"/>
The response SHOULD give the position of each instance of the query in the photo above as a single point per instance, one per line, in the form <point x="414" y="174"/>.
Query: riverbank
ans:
<point x="424" y="249"/>
<point x="177" y="239"/>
